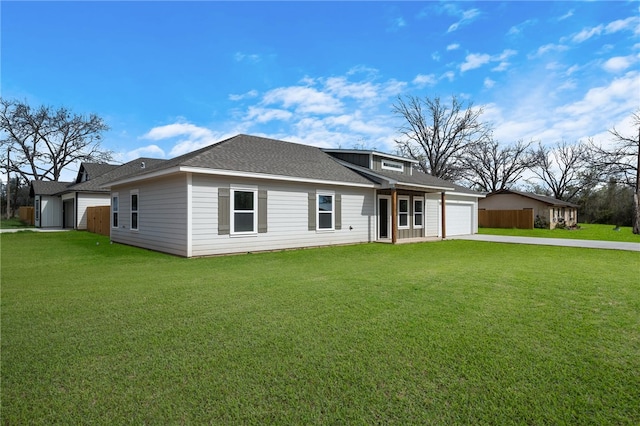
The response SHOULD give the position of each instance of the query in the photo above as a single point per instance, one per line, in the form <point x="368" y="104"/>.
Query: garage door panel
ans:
<point x="459" y="219"/>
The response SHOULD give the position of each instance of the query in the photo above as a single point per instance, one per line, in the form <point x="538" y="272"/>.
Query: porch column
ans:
<point x="443" y="213"/>
<point x="394" y="215"/>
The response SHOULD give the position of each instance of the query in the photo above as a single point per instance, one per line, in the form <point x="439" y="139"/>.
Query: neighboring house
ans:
<point x="249" y="193"/>
<point x="64" y="204"/>
<point x="547" y="210"/>
<point x="48" y="208"/>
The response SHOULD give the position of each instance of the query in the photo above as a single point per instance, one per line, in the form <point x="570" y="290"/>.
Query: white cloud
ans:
<point x="548" y="48"/>
<point x="632" y="24"/>
<point x="396" y="24"/>
<point x="619" y="63"/>
<point x="246" y="57"/>
<point x="519" y="29"/>
<point x="343" y="88"/>
<point x="453" y="46"/>
<point x="422" y="80"/>
<point x="249" y="95"/>
<point x="153" y="151"/>
<point x="615" y="98"/>
<point x="488" y="83"/>
<point x="264" y="115"/>
<point x="468" y="16"/>
<point x="304" y="100"/>
<point x="567" y="15"/>
<point x="536" y="114"/>
<point x="475" y="60"/>
<point x="587" y="33"/>
<point x="177" y="129"/>
<point x="190" y="137"/>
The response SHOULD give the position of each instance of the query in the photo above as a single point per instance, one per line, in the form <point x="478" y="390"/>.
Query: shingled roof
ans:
<point x="46" y="187"/>
<point x="93" y="170"/>
<point x="97" y="184"/>
<point x="553" y="202"/>
<point x="254" y="154"/>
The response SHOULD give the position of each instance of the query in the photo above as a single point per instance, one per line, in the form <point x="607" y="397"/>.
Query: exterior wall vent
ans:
<point x="142" y="165"/>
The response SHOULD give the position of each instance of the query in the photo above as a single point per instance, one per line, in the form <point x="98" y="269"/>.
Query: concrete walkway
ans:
<point x="10" y="230"/>
<point x="610" y="245"/>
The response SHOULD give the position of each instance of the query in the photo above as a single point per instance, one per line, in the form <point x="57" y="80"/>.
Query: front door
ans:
<point x="384" y="217"/>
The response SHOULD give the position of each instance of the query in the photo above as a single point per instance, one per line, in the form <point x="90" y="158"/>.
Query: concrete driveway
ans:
<point x="610" y="245"/>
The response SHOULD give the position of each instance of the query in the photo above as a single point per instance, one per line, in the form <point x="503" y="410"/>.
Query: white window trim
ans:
<point x="408" y="212"/>
<point x="131" y="211"/>
<point x="116" y="210"/>
<point x="396" y="166"/>
<point x="232" y="225"/>
<point x="421" y="199"/>
<point x="331" y="194"/>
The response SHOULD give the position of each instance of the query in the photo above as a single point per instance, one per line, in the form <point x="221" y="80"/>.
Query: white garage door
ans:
<point x="459" y="219"/>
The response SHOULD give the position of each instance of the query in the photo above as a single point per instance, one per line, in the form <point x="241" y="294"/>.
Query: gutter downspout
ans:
<point x="443" y="213"/>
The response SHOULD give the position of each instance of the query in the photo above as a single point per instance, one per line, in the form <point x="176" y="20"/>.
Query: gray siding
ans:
<point x="162" y="215"/>
<point x="287" y="217"/>
<point x="361" y="160"/>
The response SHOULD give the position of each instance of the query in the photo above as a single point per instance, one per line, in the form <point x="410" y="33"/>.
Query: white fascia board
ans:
<point x="236" y="173"/>
<point x="429" y="187"/>
<point x="145" y="176"/>
<point x="464" y="194"/>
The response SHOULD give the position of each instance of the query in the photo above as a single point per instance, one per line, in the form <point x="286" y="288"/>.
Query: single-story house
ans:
<point x="249" y="193"/>
<point x="546" y="210"/>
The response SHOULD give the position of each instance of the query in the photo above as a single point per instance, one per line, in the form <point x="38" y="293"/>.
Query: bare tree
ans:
<point x="491" y="167"/>
<point x="43" y="141"/>
<point x="621" y="163"/>
<point x="563" y="168"/>
<point x="436" y="134"/>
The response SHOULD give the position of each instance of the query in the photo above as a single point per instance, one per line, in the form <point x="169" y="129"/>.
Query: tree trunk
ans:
<point x="636" y="212"/>
<point x="636" y="193"/>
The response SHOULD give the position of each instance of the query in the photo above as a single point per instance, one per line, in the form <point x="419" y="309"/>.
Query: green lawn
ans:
<point x="452" y="332"/>
<point x="12" y="223"/>
<point x="585" y="232"/>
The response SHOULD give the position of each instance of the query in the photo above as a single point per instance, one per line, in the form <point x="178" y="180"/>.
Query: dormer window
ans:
<point x="392" y="165"/>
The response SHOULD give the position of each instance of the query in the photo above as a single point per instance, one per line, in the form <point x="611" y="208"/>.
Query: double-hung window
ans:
<point x="244" y="211"/>
<point x="418" y="212"/>
<point x="325" y="211"/>
<point x="403" y="212"/>
<point x="115" y="210"/>
<point x="134" y="210"/>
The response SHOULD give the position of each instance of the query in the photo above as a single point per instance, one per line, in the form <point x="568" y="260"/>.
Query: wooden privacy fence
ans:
<point x="99" y="220"/>
<point x="521" y="219"/>
<point x="26" y="215"/>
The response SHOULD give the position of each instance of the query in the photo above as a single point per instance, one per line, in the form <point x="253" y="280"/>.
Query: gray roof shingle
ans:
<point x="543" y="198"/>
<point x="128" y="169"/>
<point x="254" y="154"/>
<point x="46" y="187"/>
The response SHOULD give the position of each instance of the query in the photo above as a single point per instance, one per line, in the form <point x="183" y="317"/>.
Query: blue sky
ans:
<point x="170" y="77"/>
